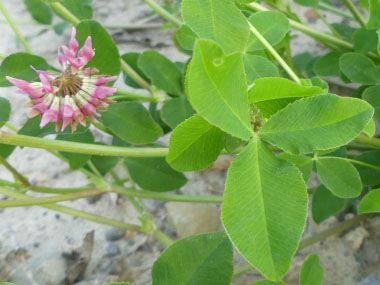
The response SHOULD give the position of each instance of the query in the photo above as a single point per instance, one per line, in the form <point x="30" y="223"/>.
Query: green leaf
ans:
<point x="76" y="160"/>
<point x="264" y="217"/>
<point x="359" y="68"/>
<point x="345" y="30"/>
<point x="365" y="40"/>
<point x="339" y="176"/>
<point x="374" y="14"/>
<point x="199" y="259"/>
<point x="39" y="11"/>
<point x="154" y="174"/>
<point x="131" y="122"/>
<point x="5" y="111"/>
<point x="232" y="144"/>
<point x="257" y="67"/>
<point x="368" y="175"/>
<point x="302" y="162"/>
<point x="107" y="58"/>
<point x="311" y="271"/>
<point x="303" y="126"/>
<point x="194" y="145"/>
<point x="6" y="150"/>
<point x="217" y="89"/>
<point x="176" y="110"/>
<point x="18" y="65"/>
<point x="80" y="8"/>
<point x="273" y="94"/>
<point x="370" y="128"/>
<point x="272" y="25"/>
<point x="308" y="3"/>
<point x="103" y="163"/>
<point x="131" y="58"/>
<point x="304" y="63"/>
<point x="370" y="202"/>
<point x="218" y="20"/>
<point x="163" y="73"/>
<point x="186" y="37"/>
<point x="328" y="65"/>
<point x="324" y="204"/>
<point x="371" y="95"/>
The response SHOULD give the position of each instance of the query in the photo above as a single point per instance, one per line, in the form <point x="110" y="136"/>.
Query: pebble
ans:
<point x="195" y="218"/>
<point x="113" y="249"/>
<point x="356" y="237"/>
<point x="115" y="234"/>
<point x="372" y="279"/>
<point x="370" y="251"/>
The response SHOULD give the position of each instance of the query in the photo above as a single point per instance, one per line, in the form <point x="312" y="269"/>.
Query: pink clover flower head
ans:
<point x="72" y="96"/>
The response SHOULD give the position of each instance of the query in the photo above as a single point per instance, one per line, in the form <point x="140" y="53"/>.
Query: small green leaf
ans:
<point x="39" y="11"/>
<point x="302" y="162"/>
<point x="218" y="20"/>
<point x="131" y="58"/>
<point x="374" y="14"/>
<point x="194" y="145"/>
<point x="368" y="175"/>
<point x="370" y="202"/>
<point x="5" y="111"/>
<point x="217" y="89"/>
<point x="359" y="68"/>
<point x="175" y="111"/>
<point x="264" y="217"/>
<point x="339" y="176"/>
<point x="103" y="163"/>
<point x="257" y="67"/>
<point x="154" y="174"/>
<point x="311" y="271"/>
<point x="186" y="37"/>
<point x="272" y="25"/>
<point x="372" y="96"/>
<point x="18" y="65"/>
<point x="303" y="126"/>
<point x="6" y="150"/>
<point x="273" y="94"/>
<point x="107" y="58"/>
<point x="324" y="204"/>
<point x="304" y="63"/>
<point x="345" y="30"/>
<point x="365" y="40"/>
<point x="370" y="128"/>
<point x="76" y="160"/>
<point x="163" y="73"/>
<point x="131" y="122"/>
<point x="199" y="259"/>
<point x="308" y="3"/>
<point x="328" y="65"/>
<point x="80" y="8"/>
<point x="232" y="144"/>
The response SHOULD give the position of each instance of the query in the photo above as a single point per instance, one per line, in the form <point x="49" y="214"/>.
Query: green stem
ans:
<point x="314" y="239"/>
<point x="134" y="75"/>
<point x="324" y="6"/>
<point x="14" y="28"/>
<point x="48" y="200"/>
<point x="93" y="168"/>
<point x="324" y="20"/>
<point x="162" y="238"/>
<point x="367" y="140"/>
<point x="77" y="213"/>
<point x="84" y="148"/>
<point x="166" y="197"/>
<point x="163" y="13"/>
<point x="65" y="13"/>
<point x="15" y="173"/>
<point x="354" y="12"/>
<point x="275" y="54"/>
<point x="122" y="95"/>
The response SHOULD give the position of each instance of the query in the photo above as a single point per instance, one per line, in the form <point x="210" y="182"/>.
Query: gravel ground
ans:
<point x="41" y="242"/>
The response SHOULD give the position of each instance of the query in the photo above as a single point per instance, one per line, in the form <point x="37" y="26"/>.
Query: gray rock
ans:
<point x="113" y="249"/>
<point x="370" y="251"/>
<point x="115" y="234"/>
<point x="195" y="218"/>
<point x="372" y="279"/>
